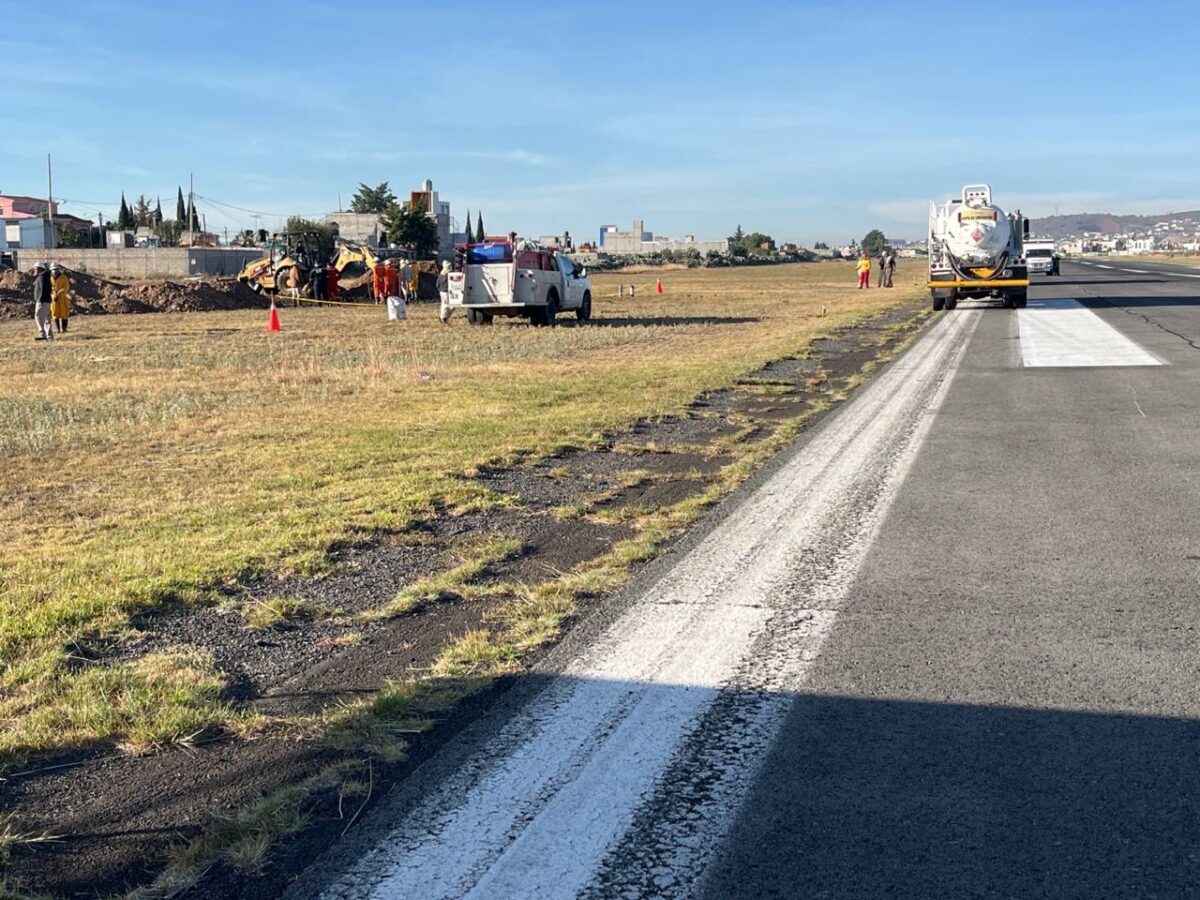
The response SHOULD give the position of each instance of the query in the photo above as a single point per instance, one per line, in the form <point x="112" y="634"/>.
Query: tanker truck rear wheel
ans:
<point x="1020" y="299"/>
<point x="952" y="300"/>
<point x="939" y="302"/>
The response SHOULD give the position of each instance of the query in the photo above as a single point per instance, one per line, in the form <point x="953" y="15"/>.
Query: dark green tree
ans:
<point x="874" y="243"/>
<point x="169" y="232"/>
<point x="125" y="217"/>
<point x="738" y="236"/>
<point x="180" y="209"/>
<point x="480" y="234"/>
<point x="411" y="229"/>
<point x="757" y="242"/>
<point x="470" y="236"/>
<point x="67" y="237"/>
<point x="195" y="215"/>
<point x="369" y="199"/>
<point x="158" y="216"/>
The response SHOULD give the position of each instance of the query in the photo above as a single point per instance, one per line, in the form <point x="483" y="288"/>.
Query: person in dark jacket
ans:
<point x="316" y="280"/>
<point x="42" y="295"/>
<point x="331" y="281"/>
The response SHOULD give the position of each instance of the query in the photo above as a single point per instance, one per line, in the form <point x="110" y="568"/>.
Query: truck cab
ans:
<point x="504" y="277"/>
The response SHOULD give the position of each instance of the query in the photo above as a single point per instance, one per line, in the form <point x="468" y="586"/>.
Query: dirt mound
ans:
<point x="91" y="295"/>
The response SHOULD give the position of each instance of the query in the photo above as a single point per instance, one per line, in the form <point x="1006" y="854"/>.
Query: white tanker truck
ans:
<point x="975" y="250"/>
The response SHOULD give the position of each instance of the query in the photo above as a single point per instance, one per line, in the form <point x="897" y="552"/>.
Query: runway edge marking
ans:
<point x="542" y="804"/>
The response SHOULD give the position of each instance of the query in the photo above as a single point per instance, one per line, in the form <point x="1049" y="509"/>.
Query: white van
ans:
<point x="1041" y="256"/>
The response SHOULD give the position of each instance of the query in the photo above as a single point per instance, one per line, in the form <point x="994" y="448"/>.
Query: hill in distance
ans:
<point x="1105" y="223"/>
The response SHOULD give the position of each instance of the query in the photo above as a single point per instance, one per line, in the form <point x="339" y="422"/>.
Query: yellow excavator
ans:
<point x="274" y="271"/>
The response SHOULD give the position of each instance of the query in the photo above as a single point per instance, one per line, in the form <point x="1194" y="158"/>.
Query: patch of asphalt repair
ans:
<point x="118" y="815"/>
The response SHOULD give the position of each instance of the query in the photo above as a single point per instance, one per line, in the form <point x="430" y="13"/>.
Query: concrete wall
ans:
<point x="621" y="243"/>
<point x="153" y="262"/>
<point x="360" y="227"/>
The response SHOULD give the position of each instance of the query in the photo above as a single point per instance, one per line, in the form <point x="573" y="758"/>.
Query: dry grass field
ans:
<point x="152" y="459"/>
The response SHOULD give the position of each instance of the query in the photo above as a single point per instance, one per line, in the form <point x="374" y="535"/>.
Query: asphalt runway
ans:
<point x="947" y="646"/>
<point x="1010" y="705"/>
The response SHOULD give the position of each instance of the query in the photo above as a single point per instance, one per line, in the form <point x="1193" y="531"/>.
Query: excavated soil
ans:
<point x="91" y="295"/>
<point x="116" y="816"/>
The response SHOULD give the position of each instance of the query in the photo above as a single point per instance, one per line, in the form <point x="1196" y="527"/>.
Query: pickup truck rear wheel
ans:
<point x="544" y="315"/>
<point x="585" y="310"/>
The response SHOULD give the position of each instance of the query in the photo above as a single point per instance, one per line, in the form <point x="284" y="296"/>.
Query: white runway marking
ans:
<point x="701" y="666"/>
<point x="1062" y="333"/>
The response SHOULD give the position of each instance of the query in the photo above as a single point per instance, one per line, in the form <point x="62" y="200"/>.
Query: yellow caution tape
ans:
<point x="999" y="282"/>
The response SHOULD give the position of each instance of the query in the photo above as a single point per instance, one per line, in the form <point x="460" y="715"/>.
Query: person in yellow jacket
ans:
<point x="60" y="298"/>
<point x="864" y="271"/>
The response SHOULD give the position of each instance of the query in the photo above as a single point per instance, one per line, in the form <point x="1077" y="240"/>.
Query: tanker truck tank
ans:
<point x="975" y="250"/>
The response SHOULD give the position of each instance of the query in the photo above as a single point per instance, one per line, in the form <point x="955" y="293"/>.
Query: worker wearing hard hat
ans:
<point x="60" y="297"/>
<point x="864" y="271"/>
<point x="391" y="279"/>
<point x="42" y="292"/>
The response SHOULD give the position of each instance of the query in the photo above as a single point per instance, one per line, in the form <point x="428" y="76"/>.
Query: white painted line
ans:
<point x="1101" y="266"/>
<point x="738" y="621"/>
<point x="1062" y="333"/>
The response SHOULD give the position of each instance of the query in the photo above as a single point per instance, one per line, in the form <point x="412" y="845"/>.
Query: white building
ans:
<point x="639" y="240"/>
<point x="26" y="234"/>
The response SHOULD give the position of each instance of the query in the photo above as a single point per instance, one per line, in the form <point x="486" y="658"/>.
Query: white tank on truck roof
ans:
<point x="973" y="228"/>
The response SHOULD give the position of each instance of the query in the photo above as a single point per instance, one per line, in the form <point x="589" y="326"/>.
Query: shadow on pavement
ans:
<point x="1161" y="300"/>
<point x="1056" y="282"/>
<point x="869" y="798"/>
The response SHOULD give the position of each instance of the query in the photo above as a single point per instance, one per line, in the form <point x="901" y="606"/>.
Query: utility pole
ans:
<point x="49" y="204"/>
<point x="191" y="207"/>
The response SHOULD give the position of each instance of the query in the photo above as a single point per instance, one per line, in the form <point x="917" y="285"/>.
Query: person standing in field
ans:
<point x="864" y="271"/>
<point x="316" y="280"/>
<point x="443" y="286"/>
<point x="377" y="281"/>
<point x="331" y="281"/>
<point x="41" y="301"/>
<point x="889" y="267"/>
<point x="391" y="279"/>
<point x="60" y="297"/>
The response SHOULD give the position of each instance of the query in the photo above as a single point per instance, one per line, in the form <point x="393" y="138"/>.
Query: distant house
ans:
<point x="14" y="207"/>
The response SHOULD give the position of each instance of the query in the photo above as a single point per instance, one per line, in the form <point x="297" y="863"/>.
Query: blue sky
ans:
<point x="802" y="120"/>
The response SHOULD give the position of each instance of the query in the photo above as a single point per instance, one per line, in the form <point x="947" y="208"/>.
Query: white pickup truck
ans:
<point x="525" y="279"/>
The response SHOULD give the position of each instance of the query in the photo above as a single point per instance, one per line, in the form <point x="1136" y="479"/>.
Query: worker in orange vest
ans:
<point x="377" y="281"/>
<point x="391" y="280"/>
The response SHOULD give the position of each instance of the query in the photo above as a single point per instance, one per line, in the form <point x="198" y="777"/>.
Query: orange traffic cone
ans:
<point x="658" y="287"/>
<point x="273" y="322"/>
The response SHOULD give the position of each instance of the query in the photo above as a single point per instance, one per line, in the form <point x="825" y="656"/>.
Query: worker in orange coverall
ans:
<point x="377" y="281"/>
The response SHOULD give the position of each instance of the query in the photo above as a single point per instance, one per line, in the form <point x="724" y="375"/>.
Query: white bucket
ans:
<point x="397" y="309"/>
